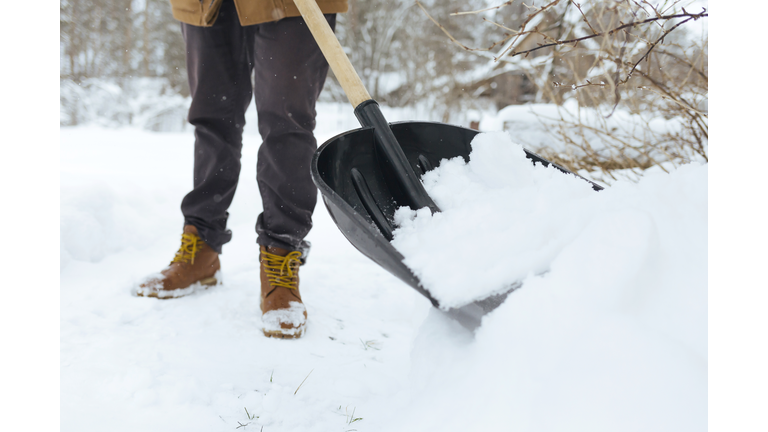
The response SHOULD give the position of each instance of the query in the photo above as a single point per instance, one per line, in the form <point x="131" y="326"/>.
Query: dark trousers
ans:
<point x="289" y="74"/>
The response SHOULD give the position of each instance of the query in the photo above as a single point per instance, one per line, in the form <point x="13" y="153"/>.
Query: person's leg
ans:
<point x="219" y="81"/>
<point x="290" y="71"/>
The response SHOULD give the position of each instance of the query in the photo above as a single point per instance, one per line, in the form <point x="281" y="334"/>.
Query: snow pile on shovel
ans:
<point x="613" y="337"/>
<point x="502" y="218"/>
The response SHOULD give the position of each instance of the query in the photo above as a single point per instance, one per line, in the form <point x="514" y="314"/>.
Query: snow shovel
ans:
<point x="364" y="175"/>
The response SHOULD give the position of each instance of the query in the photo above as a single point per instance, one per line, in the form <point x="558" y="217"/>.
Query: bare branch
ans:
<point x="683" y="61"/>
<point x="450" y="36"/>
<point x="501" y="26"/>
<point x="632" y="24"/>
<point x="629" y="75"/>
<point x="682" y="103"/>
<point x="672" y="85"/>
<point x="532" y="7"/>
<point x="525" y="23"/>
<point x="584" y="16"/>
<point x="484" y="10"/>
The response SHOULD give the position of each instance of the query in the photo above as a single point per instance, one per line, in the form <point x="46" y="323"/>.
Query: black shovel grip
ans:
<point x="393" y="157"/>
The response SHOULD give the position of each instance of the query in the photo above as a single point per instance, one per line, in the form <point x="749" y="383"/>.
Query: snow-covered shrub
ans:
<point x="582" y="139"/>
<point x="628" y="80"/>
<point x="148" y="103"/>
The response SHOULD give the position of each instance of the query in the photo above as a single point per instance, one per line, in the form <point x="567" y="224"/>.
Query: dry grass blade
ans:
<point x="302" y="382"/>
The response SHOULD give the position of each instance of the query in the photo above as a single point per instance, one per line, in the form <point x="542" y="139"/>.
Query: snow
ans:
<point x="610" y="333"/>
<point x="533" y="125"/>
<point x="294" y="316"/>
<point x="148" y="103"/>
<point x="153" y="286"/>
<point x="197" y="362"/>
<point x="612" y="337"/>
<point x="502" y="218"/>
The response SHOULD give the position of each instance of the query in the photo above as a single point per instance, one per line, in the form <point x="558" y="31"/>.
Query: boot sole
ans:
<point x="202" y="284"/>
<point x="280" y="335"/>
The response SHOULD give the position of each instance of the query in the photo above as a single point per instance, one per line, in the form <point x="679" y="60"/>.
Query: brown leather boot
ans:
<point x="195" y="266"/>
<point x="283" y="312"/>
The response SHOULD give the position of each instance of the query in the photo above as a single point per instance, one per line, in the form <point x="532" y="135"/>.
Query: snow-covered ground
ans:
<point x="199" y="363"/>
<point x="612" y="338"/>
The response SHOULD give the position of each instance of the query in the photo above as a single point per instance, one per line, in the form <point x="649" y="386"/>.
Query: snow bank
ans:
<point x="147" y="103"/>
<point x="613" y="337"/>
<point x="542" y="128"/>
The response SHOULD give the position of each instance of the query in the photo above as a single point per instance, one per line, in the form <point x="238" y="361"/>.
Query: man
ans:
<point x="226" y="41"/>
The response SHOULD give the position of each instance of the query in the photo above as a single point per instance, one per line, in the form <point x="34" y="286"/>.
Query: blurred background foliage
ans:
<point x="458" y="60"/>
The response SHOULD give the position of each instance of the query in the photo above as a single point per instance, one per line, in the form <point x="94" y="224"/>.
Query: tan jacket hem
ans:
<point x="249" y="12"/>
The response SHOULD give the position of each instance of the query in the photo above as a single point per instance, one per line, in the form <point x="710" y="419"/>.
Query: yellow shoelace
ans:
<point x="188" y="249"/>
<point x="280" y="270"/>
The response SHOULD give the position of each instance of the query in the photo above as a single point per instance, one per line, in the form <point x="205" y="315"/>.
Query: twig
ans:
<point x="682" y="104"/>
<point x="632" y="24"/>
<point x="501" y="26"/>
<point x="449" y="34"/>
<point x="629" y="75"/>
<point x="616" y="92"/>
<point x="523" y="32"/>
<point x="588" y="84"/>
<point x="533" y="7"/>
<point x="584" y="16"/>
<point x="483" y="10"/>
<point x="671" y="96"/>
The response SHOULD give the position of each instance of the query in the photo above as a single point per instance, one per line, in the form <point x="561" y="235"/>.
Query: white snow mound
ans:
<point x="502" y="218"/>
<point x="612" y="338"/>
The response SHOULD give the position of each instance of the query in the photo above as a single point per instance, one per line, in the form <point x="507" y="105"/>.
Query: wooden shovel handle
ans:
<point x="334" y="54"/>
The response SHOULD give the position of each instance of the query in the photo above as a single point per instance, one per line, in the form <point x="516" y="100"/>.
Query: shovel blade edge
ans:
<point x="360" y="195"/>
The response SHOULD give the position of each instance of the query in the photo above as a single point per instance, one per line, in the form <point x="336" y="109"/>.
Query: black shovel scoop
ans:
<point x="366" y="174"/>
